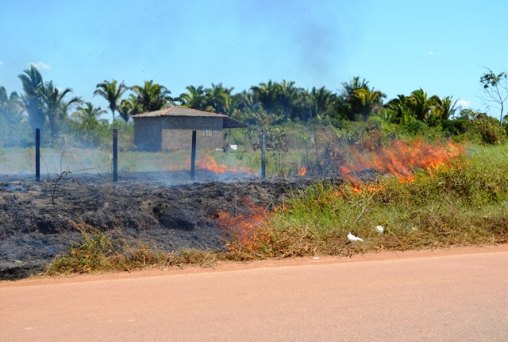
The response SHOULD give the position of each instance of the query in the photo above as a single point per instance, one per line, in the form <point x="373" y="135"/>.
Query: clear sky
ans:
<point x="398" y="46"/>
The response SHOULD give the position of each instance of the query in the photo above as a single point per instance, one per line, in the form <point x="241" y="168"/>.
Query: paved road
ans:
<point x="438" y="298"/>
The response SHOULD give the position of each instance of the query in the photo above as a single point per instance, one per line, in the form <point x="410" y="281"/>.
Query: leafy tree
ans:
<point x="33" y="84"/>
<point x="11" y="125"/>
<point x="218" y="99"/>
<point x="358" y="98"/>
<point x="496" y="89"/>
<point x="443" y="110"/>
<point x="11" y="106"/>
<point x="88" y="111"/>
<point x="112" y="92"/>
<point x="421" y="105"/>
<point x="129" y="107"/>
<point x="323" y="101"/>
<point x="194" y="97"/>
<point x="287" y="96"/>
<point x="268" y="95"/>
<point x="87" y="127"/>
<point x="152" y="96"/>
<point x="56" y="105"/>
<point x="399" y="106"/>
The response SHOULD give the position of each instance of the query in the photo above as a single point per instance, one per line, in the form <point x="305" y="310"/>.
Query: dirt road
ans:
<point x="436" y="297"/>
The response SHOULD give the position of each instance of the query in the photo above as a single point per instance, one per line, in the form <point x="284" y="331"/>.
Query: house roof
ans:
<point x="189" y="112"/>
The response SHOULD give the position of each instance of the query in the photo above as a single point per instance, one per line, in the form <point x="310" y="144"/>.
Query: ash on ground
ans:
<point x="39" y="220"/>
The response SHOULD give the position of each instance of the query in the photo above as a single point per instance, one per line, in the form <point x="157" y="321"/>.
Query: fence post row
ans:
<point x="193" y="156"/>
<point x="37" y="155"/>
<point x="263" y="154"/>
<point x="115" y="155"/>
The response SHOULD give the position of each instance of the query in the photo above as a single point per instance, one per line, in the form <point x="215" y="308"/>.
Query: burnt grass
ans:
<point x="166" y="212"/>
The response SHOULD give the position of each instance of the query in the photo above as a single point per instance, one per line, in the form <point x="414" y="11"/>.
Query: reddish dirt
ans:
<point x="453" y="294"/>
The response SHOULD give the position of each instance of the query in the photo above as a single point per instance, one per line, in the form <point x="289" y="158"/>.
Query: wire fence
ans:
<point x="43" y="161"/>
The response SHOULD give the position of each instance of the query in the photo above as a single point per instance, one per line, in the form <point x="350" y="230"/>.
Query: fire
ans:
<point x="302" y="171"/>
<point x="210" y="164"/>
<point x="400" y="159"/>
<point x="245" y="230"/>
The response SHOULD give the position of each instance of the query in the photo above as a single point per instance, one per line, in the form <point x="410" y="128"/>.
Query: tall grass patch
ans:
<point x="462" y="203"/>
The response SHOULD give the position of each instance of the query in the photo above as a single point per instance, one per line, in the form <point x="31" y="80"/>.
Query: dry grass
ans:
<point x="464" y="203"/>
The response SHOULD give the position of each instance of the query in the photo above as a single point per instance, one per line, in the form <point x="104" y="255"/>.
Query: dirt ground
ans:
<point x="39" y="220"/>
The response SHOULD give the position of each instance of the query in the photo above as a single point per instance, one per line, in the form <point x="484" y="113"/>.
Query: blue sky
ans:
<point x="398" y="46"/>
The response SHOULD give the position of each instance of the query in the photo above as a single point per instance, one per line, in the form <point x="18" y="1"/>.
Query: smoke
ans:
<point x="318" y="45"/>
<point x="308" y="36"/>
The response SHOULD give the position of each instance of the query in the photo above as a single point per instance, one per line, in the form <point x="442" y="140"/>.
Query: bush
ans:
<point x="488" y="130"/>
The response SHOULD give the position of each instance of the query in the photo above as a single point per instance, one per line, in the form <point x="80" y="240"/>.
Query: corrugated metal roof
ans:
<point x="182" y="111"/>
<point x="177" y="111"/>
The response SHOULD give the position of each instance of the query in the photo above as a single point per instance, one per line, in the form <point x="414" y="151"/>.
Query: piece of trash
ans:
<point x="353" y="238"/>
<point x="233" y="147"/>
<point x="315" y="258"/>
<point x="380" y="229"/>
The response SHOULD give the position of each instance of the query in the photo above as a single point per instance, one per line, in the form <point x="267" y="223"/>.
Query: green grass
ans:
<point x="464" y="204"/>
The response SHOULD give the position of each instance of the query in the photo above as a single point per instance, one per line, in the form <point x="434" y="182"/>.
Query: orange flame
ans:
<point x="400" y="159"/>
<point x="245" y="230"/>
<point x="302" y="171"/>
<point x="210" y="164"/>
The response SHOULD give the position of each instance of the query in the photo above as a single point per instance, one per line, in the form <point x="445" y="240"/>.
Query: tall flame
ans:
<point x="400" y="159"/>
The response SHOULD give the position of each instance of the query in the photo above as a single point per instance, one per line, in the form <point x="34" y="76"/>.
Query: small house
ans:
<point x="171" y="128"/>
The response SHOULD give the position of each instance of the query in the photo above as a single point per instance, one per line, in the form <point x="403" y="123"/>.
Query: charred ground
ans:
<point x="39" y="220"/>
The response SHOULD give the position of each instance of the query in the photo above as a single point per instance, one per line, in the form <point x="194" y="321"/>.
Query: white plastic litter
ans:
<point x="233" y="147"/>
<point x="353" y="238"/>
<point x="380" y="229"/>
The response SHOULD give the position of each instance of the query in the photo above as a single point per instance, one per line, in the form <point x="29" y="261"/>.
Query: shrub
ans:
<point x="488" y="130"/>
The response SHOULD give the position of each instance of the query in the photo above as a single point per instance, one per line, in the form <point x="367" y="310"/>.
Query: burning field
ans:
<point x="415" y="191"/>
<point x="39" y="220"/>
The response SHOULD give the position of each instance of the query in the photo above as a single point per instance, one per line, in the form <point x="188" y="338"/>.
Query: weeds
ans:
<point x="461" y="203"/>
<point x="98" y="252"/>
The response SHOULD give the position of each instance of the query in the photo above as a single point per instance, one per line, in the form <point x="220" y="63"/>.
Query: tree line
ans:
<point x="43" y="105"/>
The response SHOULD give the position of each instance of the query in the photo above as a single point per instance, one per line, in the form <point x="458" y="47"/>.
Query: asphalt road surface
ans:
<point x="445" y="296"/>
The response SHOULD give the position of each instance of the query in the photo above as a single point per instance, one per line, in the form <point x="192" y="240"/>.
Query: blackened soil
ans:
<point x="39" y="221"/>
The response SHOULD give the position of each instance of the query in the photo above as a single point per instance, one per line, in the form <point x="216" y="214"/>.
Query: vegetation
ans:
<point x="463" y="203"/>
<point x="42" y="105"/>
<point x="99" y="253"/>
<point x="460" y="204"/>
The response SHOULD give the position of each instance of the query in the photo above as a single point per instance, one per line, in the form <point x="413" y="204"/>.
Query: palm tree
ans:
<point x="32" y="82"/>
<point x="218" y="99"/>
<point x="287" y="95"/>
<point x="88" y="112"/>
<point x="443" y="109"/>
<point x="323" y="101"/>
<point x="111" y="92"/>
<point x="399" y="106"/>
<point x="56" y="106"/>
<point x="421" y="105"/>
<point x="11" y="106"/>
<point x="129" y="107"/>
<point x="268" y="95"/>
<point x="194" y="98"/>
<point x="152" y="96"/>
<point x="358" y="98"/>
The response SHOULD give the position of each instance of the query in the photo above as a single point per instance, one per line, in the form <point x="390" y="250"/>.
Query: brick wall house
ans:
<point x="171" y="128"/>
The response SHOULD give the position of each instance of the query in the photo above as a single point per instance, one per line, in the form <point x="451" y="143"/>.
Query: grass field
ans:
<point x="461" y="203"/>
